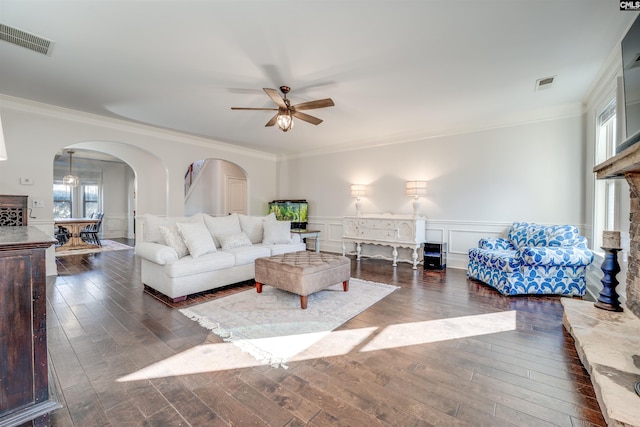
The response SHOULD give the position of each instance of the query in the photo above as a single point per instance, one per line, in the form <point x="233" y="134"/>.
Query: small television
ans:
<point x="291" y="210"/>
<point x="631" y="78"/>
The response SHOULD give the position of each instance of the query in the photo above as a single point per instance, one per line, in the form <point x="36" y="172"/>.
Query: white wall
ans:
<point x="478" y="182"/>
<point x="34" y="133"/>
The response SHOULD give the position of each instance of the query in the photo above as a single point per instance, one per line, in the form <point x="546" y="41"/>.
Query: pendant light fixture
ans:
<point x="71" y="180"/>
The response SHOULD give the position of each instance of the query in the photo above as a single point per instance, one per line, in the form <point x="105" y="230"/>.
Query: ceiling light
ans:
<point x="71" y="180"/>
<point x="285" y="121"/>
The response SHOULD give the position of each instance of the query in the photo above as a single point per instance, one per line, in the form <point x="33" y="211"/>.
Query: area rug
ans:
<point x="107" y="245"/>
<point x="273" y="328"/>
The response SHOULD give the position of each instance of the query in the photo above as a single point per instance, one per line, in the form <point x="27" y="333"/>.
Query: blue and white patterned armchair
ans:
<point x="533" y="259"/>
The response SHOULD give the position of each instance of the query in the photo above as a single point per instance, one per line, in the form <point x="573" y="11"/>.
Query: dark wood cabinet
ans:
<point x="13" y="210"/>
<point x="24" y="377"/>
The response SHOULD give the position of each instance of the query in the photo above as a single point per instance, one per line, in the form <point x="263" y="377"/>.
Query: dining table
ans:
<point x="74" y="226"/>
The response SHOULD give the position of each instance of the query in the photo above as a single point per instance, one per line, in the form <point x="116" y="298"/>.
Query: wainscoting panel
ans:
<point x="114" y="227"/>
<point x="435" y="234"/>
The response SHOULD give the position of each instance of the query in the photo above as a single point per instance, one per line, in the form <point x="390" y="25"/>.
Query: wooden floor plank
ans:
<point x="103" y="325"/>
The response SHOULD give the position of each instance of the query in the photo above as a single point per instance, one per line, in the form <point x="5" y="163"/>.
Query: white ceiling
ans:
<point x="396" y="70"/>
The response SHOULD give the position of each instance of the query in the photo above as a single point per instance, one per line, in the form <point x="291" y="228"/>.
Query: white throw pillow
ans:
<point x="231" y="241"/>
<point x="277" y="232"/>
<point x="173" y="239"/>
<point x="252" y="226"/>
<point x="197" y="238"/>
<point x="152" y="224"/>
<point x="219" y="225"/>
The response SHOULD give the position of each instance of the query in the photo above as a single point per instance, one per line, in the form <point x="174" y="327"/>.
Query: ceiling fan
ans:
<point x="286" y="111"/>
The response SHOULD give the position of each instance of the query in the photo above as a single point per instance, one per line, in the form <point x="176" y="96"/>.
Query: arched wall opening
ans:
<point x="133" y="178"/>
<point x="217" y="187"/>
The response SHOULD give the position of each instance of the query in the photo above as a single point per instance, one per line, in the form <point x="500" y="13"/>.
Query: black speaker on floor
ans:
<point x="435" y="256"/>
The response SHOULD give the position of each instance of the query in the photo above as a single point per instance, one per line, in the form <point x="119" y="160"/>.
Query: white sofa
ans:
<point x="185" y="255"/>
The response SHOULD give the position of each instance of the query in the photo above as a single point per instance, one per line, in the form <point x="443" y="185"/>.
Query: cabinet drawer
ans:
<point x="376" y="224"/>
<point x="372" y="233"/>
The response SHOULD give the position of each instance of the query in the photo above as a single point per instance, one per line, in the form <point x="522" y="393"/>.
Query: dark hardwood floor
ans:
<point x="102" y="326"/>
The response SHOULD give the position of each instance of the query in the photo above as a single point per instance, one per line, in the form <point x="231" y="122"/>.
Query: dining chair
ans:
<point x="90" y="232"/>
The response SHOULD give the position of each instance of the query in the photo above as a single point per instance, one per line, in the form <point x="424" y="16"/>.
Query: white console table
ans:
<point x="397" y="231"/>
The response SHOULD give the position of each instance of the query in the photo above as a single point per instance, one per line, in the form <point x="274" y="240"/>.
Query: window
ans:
<point x="605" y="189"/>
<point x="81" y="201"/>
<point x="90" y="199"/>
<point x="62" y="200"/>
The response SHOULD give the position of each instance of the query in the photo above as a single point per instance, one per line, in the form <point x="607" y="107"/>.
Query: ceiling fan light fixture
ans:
<point x="285" y="121"/>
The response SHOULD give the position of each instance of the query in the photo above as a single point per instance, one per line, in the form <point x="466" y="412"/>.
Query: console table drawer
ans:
<point x="377" y="234"/>
<point x="376" y="224"/>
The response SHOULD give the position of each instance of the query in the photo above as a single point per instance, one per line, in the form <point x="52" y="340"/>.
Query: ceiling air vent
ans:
<point x="27" y="40"/>
<point x="545" y="83"/>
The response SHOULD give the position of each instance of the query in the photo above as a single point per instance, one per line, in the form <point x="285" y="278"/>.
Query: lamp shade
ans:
<point x="3" y="148"/>
<point x="416" y="188"/>
<point x="358" y="190"/>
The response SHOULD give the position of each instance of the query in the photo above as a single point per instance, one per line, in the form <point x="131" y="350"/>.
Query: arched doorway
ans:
<point x="215" y="186"/>
<point x="106" y="185"/>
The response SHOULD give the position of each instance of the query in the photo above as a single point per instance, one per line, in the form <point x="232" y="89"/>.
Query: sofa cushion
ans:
<point x="231" y="241"/>
<point x="152" y="224"/>
<point x="523" y="234"/>
<point x="561" y="235"/>
<point x="229" y="224"/>
<point x="252" y="226"/>
<point x="567" y="256"/>
<point x="286" y="248"/>
<point x="172" y="238"/>
<point x="248" y="254"/>
<point x="277" y="232"/>
<point x="209" y="262"/>
<point x="197" y="238"/>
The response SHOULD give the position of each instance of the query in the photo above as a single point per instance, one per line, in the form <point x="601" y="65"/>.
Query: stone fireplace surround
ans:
<point x="608" y="342"/>
<point x="627" y="164"/>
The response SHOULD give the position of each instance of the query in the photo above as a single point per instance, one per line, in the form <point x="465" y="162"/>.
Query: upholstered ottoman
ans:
<point x="303" y="273"/>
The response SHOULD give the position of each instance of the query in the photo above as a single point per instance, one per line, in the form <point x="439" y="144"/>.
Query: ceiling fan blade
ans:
<point x="275" y="96"/>
<point x="307" y="118"/>
<point x="320" y="103"/>
<point x="272" y="121"/>
<point x="247" y="108"/>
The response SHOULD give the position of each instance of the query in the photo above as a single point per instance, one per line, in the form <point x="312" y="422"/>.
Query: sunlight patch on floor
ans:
<point x="429" y="331"/>
<point x="226" y="356"/>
